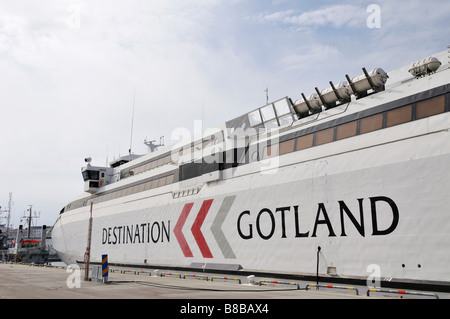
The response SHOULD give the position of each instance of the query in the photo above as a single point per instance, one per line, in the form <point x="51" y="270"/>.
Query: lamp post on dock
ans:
<point x="87" y="254"/>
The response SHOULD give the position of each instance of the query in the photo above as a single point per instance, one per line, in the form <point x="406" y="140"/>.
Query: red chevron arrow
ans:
<point x="179" y="234"/>
<point x="201" y="242"/>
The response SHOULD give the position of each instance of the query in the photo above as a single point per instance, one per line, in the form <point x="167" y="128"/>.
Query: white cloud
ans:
<point x="275" y="16"/>
<point x="336" y="16"/>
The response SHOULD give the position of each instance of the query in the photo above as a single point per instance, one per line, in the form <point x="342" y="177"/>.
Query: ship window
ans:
<point x="162" y="181"/>
<point x="371" y="123"/>
<point x="188" y="170"/>
<point x="211" y="163"/>
<point x="270" y="151"/>
<point x="160" y="161"/>
<point x="167" y="159"/>
<point x="282" y="107"/>
<point x="85" y="175"/>
<point x="90" y="174"/>
<point x="398" y="116"/>
<point x="304" y="142"/>
<point x="169" y="179"/>
<point x="147" y="185"/>
<point x="287" y="147"/>
<point x="254" y="118"/>
<point x="154" y="184"/>
<point x="430" y="107"/>
<point x="346" y="130"/>
<point x="93" y="175"/>
<point x="267" y="112"/>
<point x="325" y="136"/>
<point x="93" y="184"/>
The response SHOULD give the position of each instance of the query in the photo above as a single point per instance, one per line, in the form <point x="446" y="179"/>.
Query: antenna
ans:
<point x="8" y="217"/>
<point x="9" y="211"/>
<point x="267" y="94"/>
<point x="132" y="121"/>
<point x="152" y="146"/>
<point x="29" y="218"/>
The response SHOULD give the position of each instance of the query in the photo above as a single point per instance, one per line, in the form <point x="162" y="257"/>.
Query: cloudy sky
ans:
<point x="70" y="71"/>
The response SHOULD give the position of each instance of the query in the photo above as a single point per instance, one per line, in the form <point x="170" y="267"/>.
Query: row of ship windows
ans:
<point x="148" y="166"/>
<point x="161" y="161"/>
<point x="158" y="182"/>
<point x="365" y="125"/>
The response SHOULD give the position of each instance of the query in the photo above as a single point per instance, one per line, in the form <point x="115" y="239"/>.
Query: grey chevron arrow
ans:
<point x="216" y="227"/>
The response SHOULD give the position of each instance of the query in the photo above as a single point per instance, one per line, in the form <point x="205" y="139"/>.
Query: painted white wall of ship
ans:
<point x="408" y="163"/>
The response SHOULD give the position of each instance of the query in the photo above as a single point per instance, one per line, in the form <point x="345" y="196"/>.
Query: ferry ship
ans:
<point x="349" y="182"/>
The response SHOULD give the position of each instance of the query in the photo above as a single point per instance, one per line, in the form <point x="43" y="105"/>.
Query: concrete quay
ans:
<point x="20" y="281"/>
<point x="23" y="281"/>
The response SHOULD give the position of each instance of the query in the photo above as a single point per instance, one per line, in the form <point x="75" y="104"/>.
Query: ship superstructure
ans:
<point x="356" y="174"/>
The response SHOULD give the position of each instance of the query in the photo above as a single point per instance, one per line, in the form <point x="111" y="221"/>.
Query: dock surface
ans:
<point x="179" y="294"/>
<point x="22" y="281"/>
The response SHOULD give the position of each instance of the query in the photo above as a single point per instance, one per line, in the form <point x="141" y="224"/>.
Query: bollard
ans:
<point x="105" y="268"/>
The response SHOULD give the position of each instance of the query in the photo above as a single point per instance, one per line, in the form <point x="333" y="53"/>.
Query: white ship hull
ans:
<point x="379" y="198"/>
